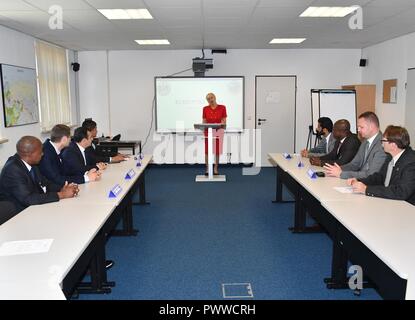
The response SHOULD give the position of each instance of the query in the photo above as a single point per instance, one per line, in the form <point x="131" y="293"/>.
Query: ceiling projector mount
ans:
<point x="201" y="64"/>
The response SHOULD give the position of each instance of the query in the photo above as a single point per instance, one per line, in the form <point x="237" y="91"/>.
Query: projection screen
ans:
<point x="180" y="101"/>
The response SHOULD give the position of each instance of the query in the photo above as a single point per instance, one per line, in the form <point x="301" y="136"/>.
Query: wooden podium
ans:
<point x="211" y="177"/>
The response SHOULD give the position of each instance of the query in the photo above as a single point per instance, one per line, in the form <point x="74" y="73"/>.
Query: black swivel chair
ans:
<point x="116" y="138"/>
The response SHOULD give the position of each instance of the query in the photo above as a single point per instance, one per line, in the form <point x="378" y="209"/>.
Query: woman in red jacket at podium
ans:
<point x="214" y="113"/>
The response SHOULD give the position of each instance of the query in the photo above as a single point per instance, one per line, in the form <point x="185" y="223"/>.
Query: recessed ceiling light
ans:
<point x="152" y="42"/>
<point x="325" y="12"/>
<point x="286" y="40"/>
<point x="124" y="14"/>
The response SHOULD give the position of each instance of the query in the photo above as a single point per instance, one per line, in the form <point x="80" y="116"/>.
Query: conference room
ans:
<point x="207" y="150"/>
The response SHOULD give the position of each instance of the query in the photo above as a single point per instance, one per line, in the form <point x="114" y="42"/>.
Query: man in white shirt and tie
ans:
<point x="345" y="148"/>
<point x="91" y="153"/>
<point x="51" y="164"/>
<point x="75" y="161"/>
<point x="396" y="179"/>
<point x="73" y="157"/>
<point x="22" y="183"/>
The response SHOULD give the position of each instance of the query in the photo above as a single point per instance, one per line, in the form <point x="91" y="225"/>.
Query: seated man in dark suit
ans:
<point x="345" y="148"/>
<point x="22" y="183"/>
<point x="51" y="164"/>
<point x="396" y="179"/>
<point x="74" y="156"/>
<point x="75" y="162"/>
<point x="92" y="155"/>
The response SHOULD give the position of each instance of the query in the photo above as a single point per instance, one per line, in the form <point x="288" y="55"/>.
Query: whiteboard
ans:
<point x="336" y="105"/>
<point x="410" y="105"/>
<point x="180" y="101"/>
<point x="315" y="108"/>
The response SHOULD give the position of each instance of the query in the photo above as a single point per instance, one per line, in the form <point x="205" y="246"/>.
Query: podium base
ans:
<point x="218" y="178"/>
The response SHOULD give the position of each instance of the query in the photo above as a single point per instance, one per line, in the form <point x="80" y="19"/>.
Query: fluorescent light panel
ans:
<point x="325" y="12"/>
<point x="124" y="14"/>
<point x="153" y="42"/>
<point x="286" y="40"/>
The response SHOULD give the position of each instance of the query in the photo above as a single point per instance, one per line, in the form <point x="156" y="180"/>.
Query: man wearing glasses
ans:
<point x="396" y="179"/>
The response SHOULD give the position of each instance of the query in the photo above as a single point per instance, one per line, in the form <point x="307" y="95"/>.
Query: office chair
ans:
<point x="116" y="138"/>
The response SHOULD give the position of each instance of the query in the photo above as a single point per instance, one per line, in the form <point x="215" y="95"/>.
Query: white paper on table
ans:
<point x="14" y="248"/>
<point x="344" y="189"/>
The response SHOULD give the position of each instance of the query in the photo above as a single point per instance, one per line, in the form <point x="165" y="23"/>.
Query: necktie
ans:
<point x="389" y="173"/>
<point x="340" y="145"/>
<point x="33" y="175"/>
<point x="327" y="144"/>
<point x="84" y="156"/>
<point x="366" y="151"/>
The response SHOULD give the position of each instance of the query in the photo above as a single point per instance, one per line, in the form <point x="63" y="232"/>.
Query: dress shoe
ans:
<point x="109" y="264"/>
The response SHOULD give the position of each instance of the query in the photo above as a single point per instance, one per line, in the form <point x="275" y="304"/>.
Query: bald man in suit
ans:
<point x="22" y="183"/>
<point x="345" y="149"/>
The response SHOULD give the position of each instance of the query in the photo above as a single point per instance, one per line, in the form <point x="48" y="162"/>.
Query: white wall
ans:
<point x="72" y="88"/>
<point x="93" y="89"/>
<point x="390" y="60"/>
<point x="131" y="82"/>
<point x="18" y="49"/>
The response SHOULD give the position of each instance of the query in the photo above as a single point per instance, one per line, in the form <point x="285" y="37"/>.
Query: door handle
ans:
<point x="261" y="120"/>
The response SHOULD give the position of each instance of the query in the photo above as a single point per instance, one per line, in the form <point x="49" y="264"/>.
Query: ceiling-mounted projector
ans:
<point x="200" y="65"/>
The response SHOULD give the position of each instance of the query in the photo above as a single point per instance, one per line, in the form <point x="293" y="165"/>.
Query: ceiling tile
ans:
<point x="228" y="3"/>
<point x="277" y="12"/>
<point x="389" y="3"/>
<point x="14" y="5"/>
<point x="174" y="4"/>
<point x="65" y="4"/>
<point x="117" y="4"/>
<point x="162" y="13"/>
<point x="285" y="3"/>
<point x="28" y="18"/>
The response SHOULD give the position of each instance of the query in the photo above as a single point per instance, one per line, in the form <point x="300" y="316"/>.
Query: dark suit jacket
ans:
<point x="402" y="182"/>
<point x="17" y="186"/>
<point x="7" y="211"/>
<point x="92" y="157"/>
<point x="346" y="153"/>
<point x="51" y="167"/>
<point x="73" y="161"/>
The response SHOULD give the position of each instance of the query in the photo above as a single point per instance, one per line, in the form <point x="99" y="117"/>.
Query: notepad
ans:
<point x="344" y="189"/>
<point x="14" y="248"/>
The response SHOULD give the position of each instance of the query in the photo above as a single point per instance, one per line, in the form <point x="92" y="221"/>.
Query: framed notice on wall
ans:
<point x="390" y="91"/>
<point x="19" y="95"/>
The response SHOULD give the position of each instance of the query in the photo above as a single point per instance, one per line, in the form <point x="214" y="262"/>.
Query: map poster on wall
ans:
<point x="19" y="93"/>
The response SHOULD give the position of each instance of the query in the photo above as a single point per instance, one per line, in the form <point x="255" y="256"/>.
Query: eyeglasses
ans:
<point x="385" y="140"/>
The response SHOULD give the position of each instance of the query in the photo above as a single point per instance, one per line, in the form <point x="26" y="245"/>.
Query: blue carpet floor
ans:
<point x="194" y="237"/>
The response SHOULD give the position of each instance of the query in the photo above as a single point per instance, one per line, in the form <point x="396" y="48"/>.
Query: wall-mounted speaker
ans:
<point x="76" y="66"/>
<point x="222" y="51"/>
<point x="363" y="62"/>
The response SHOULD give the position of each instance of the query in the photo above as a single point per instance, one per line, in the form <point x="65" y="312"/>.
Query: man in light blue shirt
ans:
<point x="324" y="130"/>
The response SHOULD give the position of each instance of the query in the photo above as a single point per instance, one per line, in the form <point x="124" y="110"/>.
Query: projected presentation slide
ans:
<point x="180" y="101"/>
